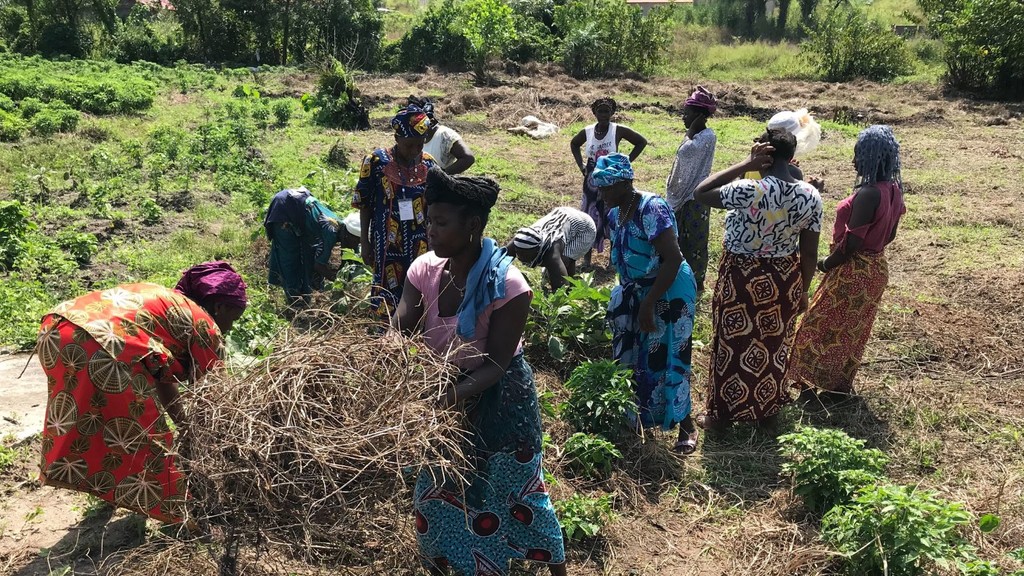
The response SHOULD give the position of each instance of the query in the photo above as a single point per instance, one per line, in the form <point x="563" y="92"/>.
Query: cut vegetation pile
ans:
<point x="312" y="450"/>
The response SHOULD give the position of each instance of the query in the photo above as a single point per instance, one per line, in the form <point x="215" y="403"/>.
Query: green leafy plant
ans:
<point x="583" y="517"/>
<point x="897" y="530"/>
<point x="828" y="466"/>
<point x="983" y="43"/>
<point x="14" y="228"/>
<point x="600" y="397"/>
<point x="846" y="45"/>
<point x="336" y="101"/>
<point x="81" y="246"/>
<point x="591" y="455"/>
<point x="282" y="113"/>
<point x="150" y="212"/>
<point x="490" y="27"/>
<point x="569" y="325"/>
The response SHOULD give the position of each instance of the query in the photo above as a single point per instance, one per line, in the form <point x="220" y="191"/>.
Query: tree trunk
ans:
<point x="286" y="32"/>
<point x="783" y="16"/>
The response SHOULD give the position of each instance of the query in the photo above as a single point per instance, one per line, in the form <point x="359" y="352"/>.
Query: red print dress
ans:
<point x="106" y="432"/>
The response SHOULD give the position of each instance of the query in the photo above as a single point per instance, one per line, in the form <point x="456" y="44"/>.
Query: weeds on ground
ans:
<point x="582" y="516"/>
<point x="591" y="455"/>
<point x="600" y="398"/>
<point x="828" y="466"/>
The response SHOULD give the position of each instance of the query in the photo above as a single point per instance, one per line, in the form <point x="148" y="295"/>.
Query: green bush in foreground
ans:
<point x="828" y="466"/>
<point x="847" y="45"/>
<point x="14" y="226"/>
<point x="899" y="531"/>
<point x="583" y="517"/>
<point x="600" y="397"/>
<point x="591" y="455"/>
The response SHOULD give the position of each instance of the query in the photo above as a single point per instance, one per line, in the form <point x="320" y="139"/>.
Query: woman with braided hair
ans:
<point x="470" y="302"/>
<point x="832" y="335"/>
<point x="594" y="141"/>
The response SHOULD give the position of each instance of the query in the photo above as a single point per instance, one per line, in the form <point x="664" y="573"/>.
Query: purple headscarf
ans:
<point x="703" y="98"/>
<point x="213" y="282"/>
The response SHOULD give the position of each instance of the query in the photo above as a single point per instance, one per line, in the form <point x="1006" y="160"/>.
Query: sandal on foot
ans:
<point x="687" y="445"/>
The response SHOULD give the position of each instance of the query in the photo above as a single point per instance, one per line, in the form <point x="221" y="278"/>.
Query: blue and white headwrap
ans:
<point x="610" y="169"/>
<point x="876" y="155"/>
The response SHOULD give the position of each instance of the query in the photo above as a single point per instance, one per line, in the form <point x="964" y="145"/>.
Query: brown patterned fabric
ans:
<point x="754" y="313"/>
<point x="832" y="334"/>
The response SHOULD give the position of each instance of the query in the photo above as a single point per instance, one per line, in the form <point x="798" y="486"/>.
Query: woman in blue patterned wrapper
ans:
<point x="302" y="233"/>
<point x="470" y="302"/>
<point x="652" y="308"/>
<point x="392" y="210"/>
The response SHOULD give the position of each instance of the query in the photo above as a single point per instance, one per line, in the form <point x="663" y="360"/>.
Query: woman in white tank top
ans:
<point x="596" y="140"/>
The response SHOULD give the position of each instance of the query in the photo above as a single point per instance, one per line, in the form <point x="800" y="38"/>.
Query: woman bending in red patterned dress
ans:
<point x="113" y="360"/>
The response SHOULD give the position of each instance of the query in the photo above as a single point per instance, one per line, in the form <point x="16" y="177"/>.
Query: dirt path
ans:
<point x="22" y="397"/>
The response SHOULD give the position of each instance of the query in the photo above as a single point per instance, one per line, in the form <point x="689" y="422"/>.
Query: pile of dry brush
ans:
<point x="313" y="449"/>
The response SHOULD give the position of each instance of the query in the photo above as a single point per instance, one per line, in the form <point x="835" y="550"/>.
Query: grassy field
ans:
<point x="941" y="390"/>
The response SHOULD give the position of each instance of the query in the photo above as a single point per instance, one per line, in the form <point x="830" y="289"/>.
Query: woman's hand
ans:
<point x="325" y="271"/>
<point x="818" y="182"/>
<point x="646" y="315"/>
<point x="804" y="303"/>
<point x="760" y="156"/>
<point x="448" y="400"/>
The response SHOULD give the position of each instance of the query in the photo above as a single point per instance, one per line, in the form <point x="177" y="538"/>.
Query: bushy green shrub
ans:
<point x="14" y="227"/>
<point x="828" y="466"/>
<point x="56" y="117"/>
<point x="583" y="517"/>
<point x="11" y="127"/>
<point x="846" y="45"/>
<point x="983" y="42"/>
<point x="335" y="102"/>
<point x="534" y="42"/>
<point x="600" y="398"/>
<point x="569" y="325"/>
<point x="611" y="37"/>
<point x="282" y="113"/>
<point x="81" y="246"/>
<point x="434" y="41"/>
<point x="136" y="39"/>
<point x="30" y="106"/>
<point x="150" y="212"/>
<point x="63" y="39"/>
<point x="591" y="455"/>
<point x="489" y="26"/>
<point x="897" y="530"/>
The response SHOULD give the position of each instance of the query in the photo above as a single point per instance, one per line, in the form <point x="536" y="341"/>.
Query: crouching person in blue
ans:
<point x="302" y="233"/>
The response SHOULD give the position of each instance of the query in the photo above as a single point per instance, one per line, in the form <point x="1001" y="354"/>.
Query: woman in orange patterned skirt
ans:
<point x="832" y="335"/>
<point x="113" y="360"/>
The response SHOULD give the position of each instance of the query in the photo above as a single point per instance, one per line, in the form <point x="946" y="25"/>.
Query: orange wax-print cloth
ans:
<point x="104" y="354"/>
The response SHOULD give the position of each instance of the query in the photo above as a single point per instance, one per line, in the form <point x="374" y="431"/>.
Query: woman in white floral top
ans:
<point x="771" y="248"/>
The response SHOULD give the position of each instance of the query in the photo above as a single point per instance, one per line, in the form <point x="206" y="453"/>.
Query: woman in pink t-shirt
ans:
<point x="470" y="302"/>
<point x="832" y="335"/>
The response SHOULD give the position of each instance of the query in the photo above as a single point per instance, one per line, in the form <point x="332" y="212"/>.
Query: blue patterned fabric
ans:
<point x="302" y="231"/>
<point x="484" y="284"/>
<point x="661" y="360"/>
<point x="506" y="512"/>
<point x="611" y="168"/>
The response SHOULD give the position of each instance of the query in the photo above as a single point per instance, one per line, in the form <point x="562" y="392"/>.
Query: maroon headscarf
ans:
<point x="703" y="98"/>
<point x="213" y="282"/>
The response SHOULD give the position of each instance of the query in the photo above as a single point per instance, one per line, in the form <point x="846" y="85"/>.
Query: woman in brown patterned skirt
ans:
<point x="771" y="247"/>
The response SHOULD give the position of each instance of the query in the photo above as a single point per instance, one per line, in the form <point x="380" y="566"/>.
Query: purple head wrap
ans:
<point x="703" y="98"/>
<point x="411" y="122"/>
<point x="213" y="282"/>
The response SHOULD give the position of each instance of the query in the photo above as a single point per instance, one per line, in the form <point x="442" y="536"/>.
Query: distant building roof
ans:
<point x="163" y="4"/>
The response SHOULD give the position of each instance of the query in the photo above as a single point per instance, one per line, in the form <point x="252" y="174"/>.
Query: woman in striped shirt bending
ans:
<point x="556" y="242"/>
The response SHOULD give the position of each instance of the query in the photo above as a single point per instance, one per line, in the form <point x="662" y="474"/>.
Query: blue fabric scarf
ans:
<point x="484" y="284"/>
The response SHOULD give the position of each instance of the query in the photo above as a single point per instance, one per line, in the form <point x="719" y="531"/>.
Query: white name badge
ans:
<point x="405" y="210"/>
